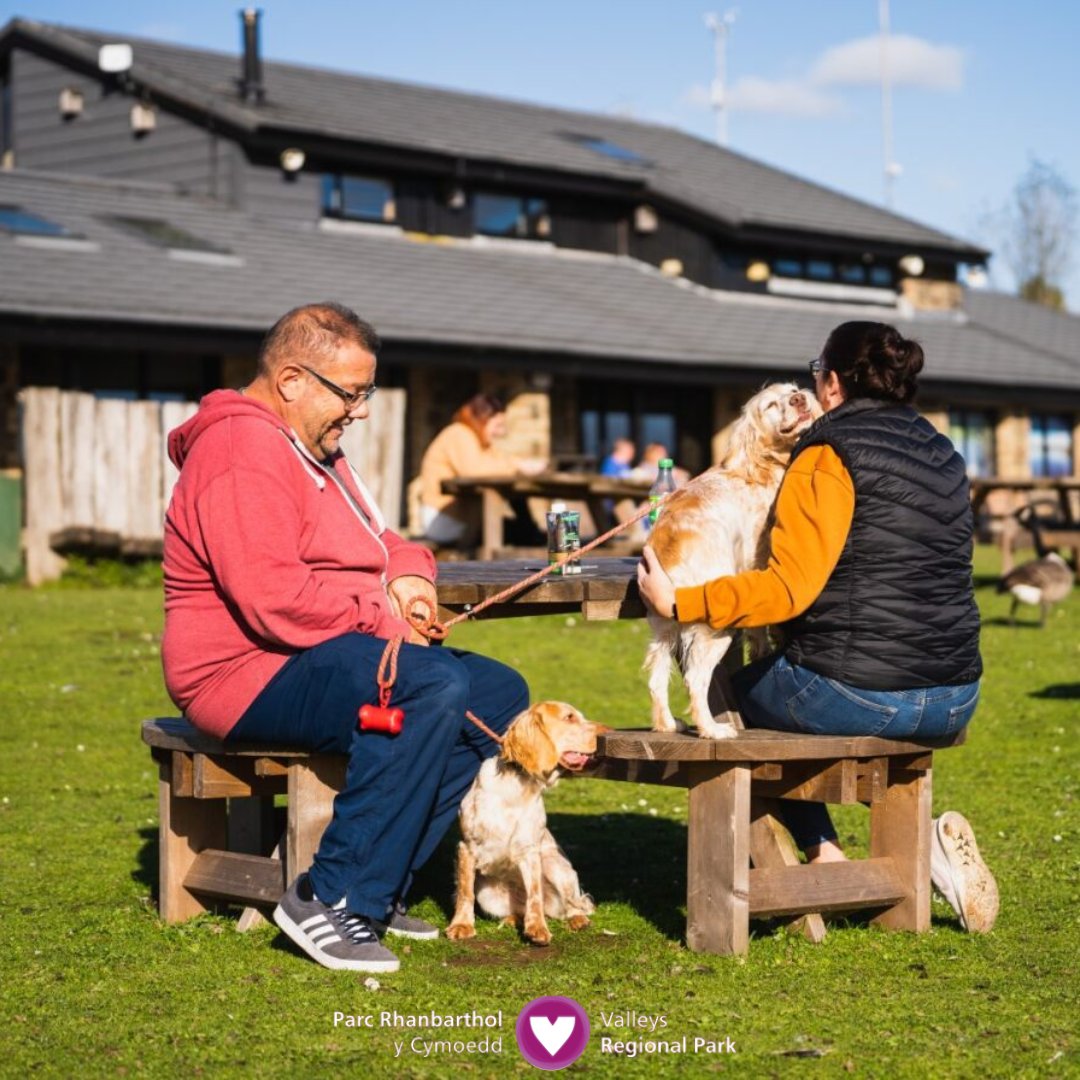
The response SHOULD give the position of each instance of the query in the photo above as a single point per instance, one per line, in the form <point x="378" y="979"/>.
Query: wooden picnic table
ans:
<point x="494" y="492"/>
<point x="1060" y="531"/>
<point x="606" y="588"/>
<point x="1064" y="487"/>
<point x="219" y="824"/>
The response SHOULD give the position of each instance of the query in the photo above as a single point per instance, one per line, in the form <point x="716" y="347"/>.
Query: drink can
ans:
<point x="564" y="536"/>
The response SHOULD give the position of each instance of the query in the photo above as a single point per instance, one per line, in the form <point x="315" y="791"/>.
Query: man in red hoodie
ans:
<point x="282" y="587"/>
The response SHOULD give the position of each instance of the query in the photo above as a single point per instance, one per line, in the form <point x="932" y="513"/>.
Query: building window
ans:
<point x="852" y="274"/>
<point x="972" y="433"/>
<point x="511" y="215"/>
<point x="21" y="222"/>
<point x="788" y="268"/>
<point x="881" y="275"/>
<point x="678" y="418"/>
<point x="358" y="198"/>
<point x="1050" y="445"/>
<point x="820" y="270"/>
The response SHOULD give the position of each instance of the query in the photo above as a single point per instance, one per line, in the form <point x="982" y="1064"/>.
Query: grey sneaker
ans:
<point x="332" y="936"/>
<point x="960" y="875"/>
<point x="402" y="924"/>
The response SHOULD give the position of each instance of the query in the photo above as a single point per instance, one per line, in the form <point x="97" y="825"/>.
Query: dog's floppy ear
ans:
<point x="528" y="744"/>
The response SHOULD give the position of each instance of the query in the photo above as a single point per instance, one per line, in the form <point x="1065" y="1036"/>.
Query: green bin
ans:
<point x="10" y="524"/>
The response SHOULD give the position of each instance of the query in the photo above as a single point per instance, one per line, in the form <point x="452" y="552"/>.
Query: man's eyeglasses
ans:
<point x="350" y="397"/>
<point x="817" y="367"/>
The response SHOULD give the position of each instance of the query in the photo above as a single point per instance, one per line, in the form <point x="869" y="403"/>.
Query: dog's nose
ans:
<point x="798" y="401"/>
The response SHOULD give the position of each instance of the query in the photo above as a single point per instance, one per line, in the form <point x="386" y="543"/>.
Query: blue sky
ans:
<point x="980" y="88"/>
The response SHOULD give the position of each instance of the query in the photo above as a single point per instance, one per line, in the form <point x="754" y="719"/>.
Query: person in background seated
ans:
<point x="870" y="580"/>
<point x="649" y="465"/>
<point x="465" y="447"/>
<point x="620" y="462"/>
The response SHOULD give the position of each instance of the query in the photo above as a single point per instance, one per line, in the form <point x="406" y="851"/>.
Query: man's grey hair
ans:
<point x="315" y="332"/>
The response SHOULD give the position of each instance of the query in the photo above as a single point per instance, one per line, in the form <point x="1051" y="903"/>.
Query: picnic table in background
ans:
<point x="1061" y="530"/>
<point x="494" y="493"/>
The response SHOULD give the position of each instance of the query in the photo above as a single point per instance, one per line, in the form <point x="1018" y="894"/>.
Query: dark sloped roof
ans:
<point x="522" y="296"/>
<point x="1028" y="325"/>
<point x="726" y="186"/>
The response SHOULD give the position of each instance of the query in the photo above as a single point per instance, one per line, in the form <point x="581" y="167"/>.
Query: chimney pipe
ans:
<point x="251" y="86"/>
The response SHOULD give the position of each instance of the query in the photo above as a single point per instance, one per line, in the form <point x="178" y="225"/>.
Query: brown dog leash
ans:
<point x="421" y="615"/>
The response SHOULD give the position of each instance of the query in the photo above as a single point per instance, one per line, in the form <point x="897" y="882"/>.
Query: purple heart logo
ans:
<point x="552" y="1032"/>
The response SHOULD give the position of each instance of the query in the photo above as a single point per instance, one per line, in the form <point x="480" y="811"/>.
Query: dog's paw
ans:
<point x="713" y="730"/>
<point x="538" y="933"/>
<point x="460" y="931"/>
<point x="577" y="922"/>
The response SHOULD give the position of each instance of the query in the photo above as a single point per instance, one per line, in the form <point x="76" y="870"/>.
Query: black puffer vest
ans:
<point x="898" y="611"/>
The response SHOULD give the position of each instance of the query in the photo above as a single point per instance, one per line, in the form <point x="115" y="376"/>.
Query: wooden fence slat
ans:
<point x="376" y="448"/>
<point x="111" y="466"/>
<point x="145" y="510"/>
<point x="173" y="414"/>
<point x="44" y="499"/>
<point x="77" y="413"/>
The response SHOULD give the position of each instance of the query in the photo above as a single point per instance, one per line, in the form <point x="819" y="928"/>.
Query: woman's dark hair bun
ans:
<point x="874" y="360"/>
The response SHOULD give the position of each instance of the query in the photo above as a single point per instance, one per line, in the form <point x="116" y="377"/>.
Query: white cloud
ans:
<point x="781" y="97"/>
<point x="912" y="62"/>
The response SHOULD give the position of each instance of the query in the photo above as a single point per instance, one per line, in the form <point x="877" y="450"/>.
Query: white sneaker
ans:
<point x="960" y="875"/>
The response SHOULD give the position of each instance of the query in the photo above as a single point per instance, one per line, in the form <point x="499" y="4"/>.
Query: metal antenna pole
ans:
<point x="720" y="27"/>
<point x="891" y="168"/>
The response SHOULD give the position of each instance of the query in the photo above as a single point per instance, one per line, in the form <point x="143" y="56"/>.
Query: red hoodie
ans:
<point x="265" y="556"/>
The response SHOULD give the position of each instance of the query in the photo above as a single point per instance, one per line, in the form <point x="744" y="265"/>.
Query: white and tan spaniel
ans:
<point x="508" y="861"/>
<point x="715" y="526"/>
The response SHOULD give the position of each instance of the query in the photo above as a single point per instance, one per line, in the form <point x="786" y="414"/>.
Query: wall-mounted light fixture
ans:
<point x="646" y="219"/>
<point x="143" y="119"/>
<point x="115" y="58"/>
<point x="456" y="197"/>
<point x="672" y="268"/>
<point x="758" y="271"/>
<point x="292" y="159"/>
<point x="71" y="103"/>
<point x="912" y="265"/>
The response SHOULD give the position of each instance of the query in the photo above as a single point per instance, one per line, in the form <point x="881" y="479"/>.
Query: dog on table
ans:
<point x="715" y="526"/>
<point x="508" y="861"/>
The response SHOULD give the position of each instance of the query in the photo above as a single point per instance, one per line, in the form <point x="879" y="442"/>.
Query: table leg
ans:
<point x="718" y="859"/>
<point x="313" y="783"/>
<point x="494" y="509"/>
<point x="900" y="830"/>
<point x="188" y="826"/>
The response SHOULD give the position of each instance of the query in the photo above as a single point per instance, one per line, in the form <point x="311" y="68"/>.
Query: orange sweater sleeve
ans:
<point x="814" y="509"/>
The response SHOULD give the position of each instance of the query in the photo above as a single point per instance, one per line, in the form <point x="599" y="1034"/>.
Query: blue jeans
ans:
<point x="401" y="792"/>
<point x="774" y="693"/>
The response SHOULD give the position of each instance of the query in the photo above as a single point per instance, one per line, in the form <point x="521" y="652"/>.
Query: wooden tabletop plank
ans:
<point x="603" y="578"/>
<point x="758" y="744"/>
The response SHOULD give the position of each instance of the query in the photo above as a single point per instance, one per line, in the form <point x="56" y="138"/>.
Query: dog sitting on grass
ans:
<point x="508" y="861"/>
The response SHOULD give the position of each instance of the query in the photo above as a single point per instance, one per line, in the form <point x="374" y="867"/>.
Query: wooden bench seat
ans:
<point x="221" y="838"/>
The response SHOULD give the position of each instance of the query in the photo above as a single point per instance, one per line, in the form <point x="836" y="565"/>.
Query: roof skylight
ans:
<point x="164" y="234"/>
<point x="610" y="149"/>
<point x="19" y="222"/>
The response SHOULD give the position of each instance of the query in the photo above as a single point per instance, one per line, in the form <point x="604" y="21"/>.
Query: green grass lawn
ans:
<point x="91" y="983"/>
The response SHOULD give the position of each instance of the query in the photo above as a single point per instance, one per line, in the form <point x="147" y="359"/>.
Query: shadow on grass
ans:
<point x="620" y="858"/>
<point x="146" y="867"/>
<point x="1058" y="692"/>
<point x="1020" y="624"/>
